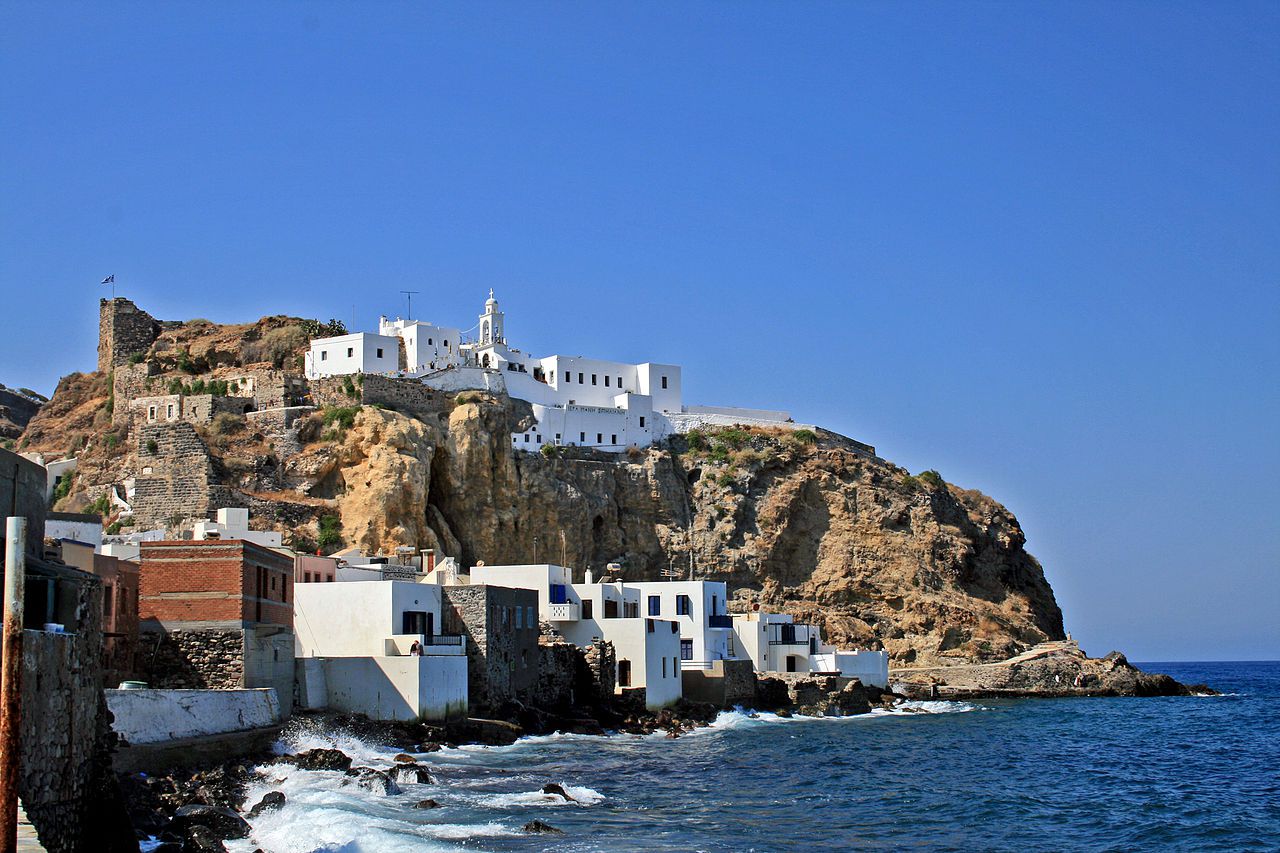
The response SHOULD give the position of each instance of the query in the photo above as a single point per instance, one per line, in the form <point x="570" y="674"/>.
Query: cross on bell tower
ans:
<point x="491" y="331"/>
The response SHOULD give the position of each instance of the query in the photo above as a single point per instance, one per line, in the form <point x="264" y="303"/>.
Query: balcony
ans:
<point x="442" y="640"/>
<point x="720" y="620"/>
<point x="566" y="611"/>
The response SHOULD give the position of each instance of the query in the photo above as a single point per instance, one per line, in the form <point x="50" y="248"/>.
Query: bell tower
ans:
<point x="491" y="331"/>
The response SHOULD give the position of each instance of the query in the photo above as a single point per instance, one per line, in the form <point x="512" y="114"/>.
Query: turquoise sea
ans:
<point x="1193" y="773"/>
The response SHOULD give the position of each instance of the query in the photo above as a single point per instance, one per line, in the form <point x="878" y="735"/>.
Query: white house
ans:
<point x="427" y="347"/>
<point x="701" y="610"/>
<point x="776" y="643"/>
<point x="233" y="523"/>
<point x="361" y="352"/>
<point x="647" y="650"/>
<point x="353" y="642"/>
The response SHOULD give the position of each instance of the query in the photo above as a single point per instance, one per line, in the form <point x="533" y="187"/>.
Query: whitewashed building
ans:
<point x="353" y="644"/>
<point x="577" y="401"/>
<point x="233" y="523"/>
<point x="647" y="649"/>
<point x="777" y="643"/>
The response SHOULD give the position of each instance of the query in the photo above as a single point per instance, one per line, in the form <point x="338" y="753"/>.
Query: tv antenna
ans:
<point x="409" y="294"/>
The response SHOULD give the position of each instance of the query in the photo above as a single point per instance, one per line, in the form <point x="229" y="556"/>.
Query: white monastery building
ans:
<point x="577" y="401"/>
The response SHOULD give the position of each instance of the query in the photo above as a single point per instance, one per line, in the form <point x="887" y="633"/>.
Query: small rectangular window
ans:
<point x="170" y="410"/>
<point x="684" y="606"/>
<point x="655" y="605"/>
<point x="526" y="438"/>
<point x="586" y="608"/>
<point x="599" y="438"/>
<point x="582" y="437"/>
<point x="619" y="381"/>
<point x="567" y="377"/>
<point x="686" y="650"/>
<point x="557" y="438"/>
<point x="606" y="381"/>
<point x="580" y="382"/>
<point x="324" y="355"/>
<point x="430" y="342"/>
<point x="539" y="437"/>
<point x="648" y="626"/>
<point x="624" y="673"/>
<point x="642" y="422"/>
<point x="530" y="619"/>
<point x="613" y="438"/>
<point x="351" y="351"/>
<point x="306" y="577"/>
<point x="519" y="618"/>
<point x="593" y="379"/>
<point x="446" y="344"/>
<point x="664" y="667"/>
<point x="379" y="352"/>
<point x="664" y="382"/>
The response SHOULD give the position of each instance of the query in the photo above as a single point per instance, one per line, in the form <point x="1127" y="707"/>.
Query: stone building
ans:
<point x="217" y="614"/>
<point x="177" y="477"/>
<point x="500" y="629"/>
<point x="120" y="582"/>
<point x="124" y="330"/>
<point x="65" y="781"/>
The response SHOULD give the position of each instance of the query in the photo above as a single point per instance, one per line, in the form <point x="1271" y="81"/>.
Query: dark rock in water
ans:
<point x="270" y="801"/>
<point x="223" y="823"/>
<point x="579" y="726"/>
<point x="784" y="713"/>
<point x="203" y="840"/>
<point x="427" y="747"/>
<point x="376" y="781"/>
<point x="426" y="804"/>
<point x="405" y="758"/>
<point x="320" y="759"/>
<point x="557" y="790"/>
<point x="412" y="775"/>
<point x="537" y="827"/>
<point x="489" y="732"/>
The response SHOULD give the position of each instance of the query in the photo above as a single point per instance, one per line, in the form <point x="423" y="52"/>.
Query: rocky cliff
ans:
<point x="811" y="524"/>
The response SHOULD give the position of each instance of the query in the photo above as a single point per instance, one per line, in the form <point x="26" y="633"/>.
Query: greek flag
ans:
<point x="111" y="279"/>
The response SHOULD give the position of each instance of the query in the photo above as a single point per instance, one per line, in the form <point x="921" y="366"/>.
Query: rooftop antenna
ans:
<point x="409" y="294"/>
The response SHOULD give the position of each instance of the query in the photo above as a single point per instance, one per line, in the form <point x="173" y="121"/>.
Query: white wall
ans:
<point x="428" y="347"/>
<point x="537" y="577"/>
<point x="355" y="353"/>
<point x="356" y="618"/>
<point x="654" y="655"/>
<point x="88" y="532"/>
<point x="156" y="716"/>
<point x="706" y="597"/>
<point x="398" y="688"/>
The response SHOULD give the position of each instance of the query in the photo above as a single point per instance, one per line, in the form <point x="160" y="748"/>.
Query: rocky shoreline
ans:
<point x="194" y="809"/>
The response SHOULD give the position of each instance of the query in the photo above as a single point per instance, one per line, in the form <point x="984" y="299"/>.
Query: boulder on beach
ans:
<point x="319" y="759"/>
<point x="270" y="801"/>
<point x="222" y="822"/>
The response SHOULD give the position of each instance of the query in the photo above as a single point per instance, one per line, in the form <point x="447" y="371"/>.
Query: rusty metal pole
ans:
<point x="15" y="563"/>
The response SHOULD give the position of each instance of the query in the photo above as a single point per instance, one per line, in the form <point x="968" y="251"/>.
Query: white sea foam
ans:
<point x="582" y="797"/>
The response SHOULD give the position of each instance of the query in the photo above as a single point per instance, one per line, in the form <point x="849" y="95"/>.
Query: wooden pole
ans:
<point x="15" y="563"/>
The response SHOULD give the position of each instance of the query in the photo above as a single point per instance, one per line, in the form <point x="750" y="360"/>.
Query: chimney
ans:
<point x="588" y="576"/>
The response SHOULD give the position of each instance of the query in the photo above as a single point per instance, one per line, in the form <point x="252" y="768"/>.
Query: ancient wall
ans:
<point x="131" y="382"/>
<point x="177" y="479"/>
<point x="124" y="329"/>
<point x="191" y="660"/>
<point x="402" y="395"/>
<point x="203" y="408"/>
<point x="601" y="663"/>
<point x="558" y="666"/>
<point x="727" y="684"/>
<point x="502" y="660"/>
<point x="270" y="388"/>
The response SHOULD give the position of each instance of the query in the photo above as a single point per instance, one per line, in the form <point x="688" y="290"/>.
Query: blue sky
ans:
<point x="1035" y="246"/>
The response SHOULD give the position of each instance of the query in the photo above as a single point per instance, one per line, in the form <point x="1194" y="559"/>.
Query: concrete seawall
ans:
<point x="164" y="728"/>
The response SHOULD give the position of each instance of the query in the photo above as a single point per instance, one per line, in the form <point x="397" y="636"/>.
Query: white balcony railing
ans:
<point x="565" y="612"/>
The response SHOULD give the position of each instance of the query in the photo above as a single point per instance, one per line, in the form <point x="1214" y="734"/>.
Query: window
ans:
<point x="593" y="379"/>
<point x="351" y="351"/>
<point x="557" y="438"/>
<point x="284" y="589"/>
<point x="379" y="352"/>
<point x="684" y="607"/>
<point x="664" y="382"/>
<point x="446" y="344"/>
<point x="582" y="437"/>
<point x="538" y="436"/>
<point x="599" y="438"/>
<point x="430" y="342"/>
<point x="151" y="416"/>
<point x="519" y="617"/>
<point x="606" y="382"/>
<point x="568" y="377"/>
<point x="624" y="673"/>
<point x="686" y="650"/>
<point x="655" y="605"/>
<point x="559" y="594"/>
<point x="526" y="438"/>
<point x="414" y="622"/>
<point x="586" y="608"/>
<point x="170" y="410"/>
<point x="664" y="667"/>
<point x="324" y="355"/>
<point x="306" y="577"/>
<point x="531" y="619"/>
<point x="613" y="438"/>
<point x="580" y="382"/>
<point x="619" y="381"/>
<point x="642" y="422"/>
<point x="648" y="626"/>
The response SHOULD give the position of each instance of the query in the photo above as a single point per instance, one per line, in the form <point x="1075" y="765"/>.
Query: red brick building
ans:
<point x="217" y="613"/>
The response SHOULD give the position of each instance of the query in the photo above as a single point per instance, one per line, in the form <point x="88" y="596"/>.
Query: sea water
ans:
<point x="1186" y="773"/>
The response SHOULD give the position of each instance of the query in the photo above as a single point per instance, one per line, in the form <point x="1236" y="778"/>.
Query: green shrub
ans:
<point x="185" y="362"/>
<point x="910" y="482"/>
<point x="804" y="436"/>
<point x="343" y="417"/>
<point x="111" y="439"/>
<point x="196" y="387"/>
<point x="62" y="489"/>
<point x="226" y="423"/>
<point x="468" y="397"/>
<point x="550" y="451"/>
<point x="349" y="387"/>
<point x="733" y="437"/>
<point x="933" y="478"/>
<point x="331" y="329"/>
<point x="153" y="447"/>
<point x="175" y="385"/>
<point x="746" y="457"/>
<point x="33" y="395"/>
<point x="719" y="453"/>
<point x="137" y="358"/>
<point x="330" y="532"/>
<point x="101" y="506"/>
<point x="217" y="387"/>
<point x="727" y="480"/>
<point x="695" y="439"/>
<point x="113" y="528"/>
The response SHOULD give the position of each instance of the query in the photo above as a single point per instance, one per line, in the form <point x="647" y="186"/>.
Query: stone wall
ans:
<point x="124" y="329"/>
<point x="558" y="667"/>
<point x="203" y="408"/>
<point x="726" y="684"/>
<point x="131" y="382"/>
<point x="178" y="479"/>
<point x="502" y="660"/>
<point x="270" y="388"/>
<point x="408" y="396"/>
<point x="192" y="660"/>
<point x="602" y="667"/>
